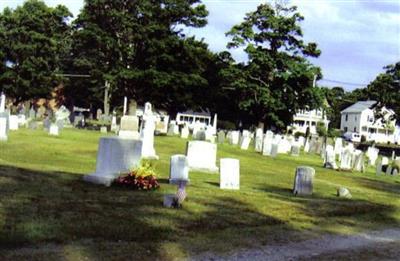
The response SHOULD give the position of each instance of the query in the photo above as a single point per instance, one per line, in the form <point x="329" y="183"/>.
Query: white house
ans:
<point x="304" y="119"/>
<point x="361" y="118"/>
<point x="191" y="117"/>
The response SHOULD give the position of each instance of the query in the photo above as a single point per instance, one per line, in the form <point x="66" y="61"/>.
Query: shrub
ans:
<point x="297" y="134"/>
<point x="226" y="125"/>
<point x="141" y="178"/>
<point x="321" y="129"/>
<point x="333" y="133"/>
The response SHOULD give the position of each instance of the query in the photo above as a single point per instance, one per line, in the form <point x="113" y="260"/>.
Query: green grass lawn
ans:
<point x="48" y="212"/>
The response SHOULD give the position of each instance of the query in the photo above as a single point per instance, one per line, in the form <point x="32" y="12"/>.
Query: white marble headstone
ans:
<point x="3" y="129"/>
<point x="13" y="122"/>
<point x="229" y="173"/>
<point x="179" y="169"/>
<point x="202" y="156"/>
<point x="53" y="130"/>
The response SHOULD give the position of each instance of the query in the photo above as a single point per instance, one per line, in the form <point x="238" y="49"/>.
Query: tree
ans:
<point x="386" y="89"/>
<point x="277" y="80"/>
<point x="31" y="39"/>
<point x="138" y="47"/>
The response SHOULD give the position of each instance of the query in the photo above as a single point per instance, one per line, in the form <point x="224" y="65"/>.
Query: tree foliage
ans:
<point x="277" y="80"/>
<point x="139" y="48"/>
<point x="31" y="46"/>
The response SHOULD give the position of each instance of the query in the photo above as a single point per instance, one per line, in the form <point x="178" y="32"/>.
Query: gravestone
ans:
<point x="258" y="141"/>
<point x="301" y="141"/>
<point x="200" y="135"/>
<point x="372" y="154"/>
<point x="179" y="169"/>
<point x="235" y="137"/>
<point x="343" y="193"/>
<point x="221" y="137"/>
<point x="202" y="156"/>
<point x="284" y="146"/>
<point x="114" y="126"/>
<point x="303" y="181"/>
<point x="171" y="128"/>
<point x="40" y="112"/>
<point x="346" y="159"/>
<point x="60" y="124"/>
<point x="13" y="121"/>
<point x="229" y="174"/>
<point x="245" y="143"/>
<point x="267" y="143"/>
<point x="307" y="146"/>
<point x="62" y="115"/>
<point x="103" y="129"/>
<point x="53" y="130"/>
<point x="46" y="123"/>
<point x="32" y="114"/>
<point x="21" y="120"/>
<point x="358" y="161"/>
<point x="274" y="149"/>
<point x="330" y="158"/>
<point x="99" y="113"/>
<point x="185" y="132"/>
<point x="147" y="133"/>
<point x="382" y="165"/>
<point x="129" y="127"/>
<point x="115" y="156"/>
<point x="295" y="150"/>
<point x="132" y="107"/>
<point x="2" y="102"/>
<point x="338" y="146"/>
<point x="3" y="129"/>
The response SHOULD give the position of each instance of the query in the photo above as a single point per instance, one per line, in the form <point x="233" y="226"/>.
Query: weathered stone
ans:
<point x="303" y="182"/>
<point x="343" y="193"/>
<point x="179" y="169"/>
<point x="229" y="174"/>
<point x="202" y="156"/>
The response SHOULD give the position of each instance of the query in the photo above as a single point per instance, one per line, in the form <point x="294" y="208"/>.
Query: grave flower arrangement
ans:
<point x="140" y="178"/>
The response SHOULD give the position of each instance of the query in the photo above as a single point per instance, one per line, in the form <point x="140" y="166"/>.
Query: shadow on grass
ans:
<point x="378" y="185"/>
<point x="54" y="211"/>
<point x="215" y="184"/>
<point x="328" y="210"/>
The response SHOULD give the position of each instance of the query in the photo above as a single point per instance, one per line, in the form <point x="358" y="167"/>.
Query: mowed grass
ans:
<point x="48" y="212"/>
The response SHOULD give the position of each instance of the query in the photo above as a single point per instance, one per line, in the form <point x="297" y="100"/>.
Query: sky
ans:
<point x="357" y="37"/>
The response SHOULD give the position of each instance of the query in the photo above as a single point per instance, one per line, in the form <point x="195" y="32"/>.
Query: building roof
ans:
<point x="359" y="106"/>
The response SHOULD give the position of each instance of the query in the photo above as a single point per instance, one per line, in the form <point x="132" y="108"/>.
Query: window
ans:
<point x="355" y="117"/>
<point x="181" y="118"/>
<point x="313" y="123"/>
<point x="345" y="129"/>
<point x="364" y="128"/>
<point x="347" y="117"/>
<point x="355" y="129"/>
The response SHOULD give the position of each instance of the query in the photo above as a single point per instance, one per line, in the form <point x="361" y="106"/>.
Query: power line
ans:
<point x="346" y="83"/>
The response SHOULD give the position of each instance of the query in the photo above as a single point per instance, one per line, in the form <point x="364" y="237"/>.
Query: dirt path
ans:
<point x="382" y="245"/>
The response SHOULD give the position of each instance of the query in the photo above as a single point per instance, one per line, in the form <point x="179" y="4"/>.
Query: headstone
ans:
<point x="382" y="165"/>
<point x="202" y="156"/>
<point x="245" y="143"/>
<point x="295" y="150"/>
<point x="179" y="169"/>
<point x="343" y="193"/>
<point x="103" y="129"/>
<point x="132" y="107"/>
<point x="171" y="128"/>
<point x="99" y="113"/>
<point x="229" y="174"/>
<point x="258" y="141"/>
<point x="235" y="137"/>
<point x="3" y="129"/>
<point x="303" y="181"/>
<point x="284" y="146"/>
<point x="200" y="135"/>
<point x="346" y="159"/>
<point x="32" y="113"/>
<point x="60" y="124"/>
<point x="2" y="102"/>
<point x="114" y="126"/>
<point x="21" y="120"/>
<point x="330" y="158"/>
<point x="129" y="127"/>
<point x="13" y="122"/>
<point x="53" y="130"/>
<point x="307" y="146"/>
<point x="267" y="143"/>
<point x="274" y="149"/>
<point x="185" y="132"/>
<point x="62" y="115"/>
<point x="372" y="154"/>
<point x="389" y="170"/>
<point x="46" y="123"/>
<point x="221" y="137"/>
<point x="115" y="156"/>
<point x="147" y="133"/>
<point x="301" y="141"/>
<point x="358" y="160"/>
<point x="40" y="112"/>
<point x="338" y="146"/>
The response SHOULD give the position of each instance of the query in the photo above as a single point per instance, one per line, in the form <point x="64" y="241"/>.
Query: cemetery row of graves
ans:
<point x="198" y="166"/>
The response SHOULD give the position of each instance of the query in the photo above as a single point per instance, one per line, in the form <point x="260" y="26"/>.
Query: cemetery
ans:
<point x="132" y="130"/>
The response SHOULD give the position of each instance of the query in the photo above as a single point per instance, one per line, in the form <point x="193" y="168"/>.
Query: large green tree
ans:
<point x="386" y="88"/>
<point x="278" y="79"/>
<point x="139" y="47"/>
<point x="31" y="44"/>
